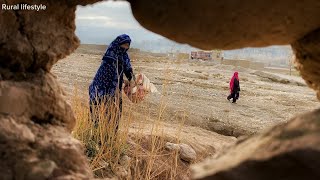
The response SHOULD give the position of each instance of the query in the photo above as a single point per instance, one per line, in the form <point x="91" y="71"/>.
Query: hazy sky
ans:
<point x="102" y="22"/>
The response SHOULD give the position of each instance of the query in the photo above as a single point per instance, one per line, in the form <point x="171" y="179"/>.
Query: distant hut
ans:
<point x="206" y="55"/>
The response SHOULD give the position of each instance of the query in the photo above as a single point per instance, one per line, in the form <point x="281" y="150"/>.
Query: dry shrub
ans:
<point x="145" y="145"/>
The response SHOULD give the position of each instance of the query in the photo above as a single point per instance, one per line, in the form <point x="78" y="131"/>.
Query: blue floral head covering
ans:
<point x="114" y="50"/>
<point x="115" y="63"/>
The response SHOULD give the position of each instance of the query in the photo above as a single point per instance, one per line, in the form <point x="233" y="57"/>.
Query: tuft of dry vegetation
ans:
<point x="126" y="154"/>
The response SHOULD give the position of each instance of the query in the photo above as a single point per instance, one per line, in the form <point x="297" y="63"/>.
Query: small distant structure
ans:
<point x="206" y="55"/>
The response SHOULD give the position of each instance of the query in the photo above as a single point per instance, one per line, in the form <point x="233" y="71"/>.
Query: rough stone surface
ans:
<point x="287" y="151"/>
<point x="31" y="150"/>
<point x="229" y="24"/>
<point x="35" y="121"/>
<point x="172" y="147"/>
<point x="41" y="170"/>
<point x="35" y="125"/>
<point x="307" y="52"/>
<point x="187" y="153"/>
<point x="39" y="98"/>
<point x="31" y="40"/>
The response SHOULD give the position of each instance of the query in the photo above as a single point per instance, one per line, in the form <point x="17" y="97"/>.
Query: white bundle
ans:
<point x="143" y="81"/>
<point x="142" y="88"/>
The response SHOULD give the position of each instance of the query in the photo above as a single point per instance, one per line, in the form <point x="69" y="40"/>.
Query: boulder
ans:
<point x="287" y="151"/>
<point x="229" y="24"/>
<point x="35" y="120"/>
<point x="172" y="147"/>
<point x="187" y="153"/>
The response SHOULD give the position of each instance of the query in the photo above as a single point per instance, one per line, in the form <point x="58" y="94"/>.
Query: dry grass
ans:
<point x="145" y="145"/>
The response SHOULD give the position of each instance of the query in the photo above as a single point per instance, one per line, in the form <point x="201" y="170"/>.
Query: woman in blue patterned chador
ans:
<point x="107" y="83"/>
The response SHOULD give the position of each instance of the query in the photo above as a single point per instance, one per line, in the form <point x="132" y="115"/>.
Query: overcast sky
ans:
<point x="102" y="22"/>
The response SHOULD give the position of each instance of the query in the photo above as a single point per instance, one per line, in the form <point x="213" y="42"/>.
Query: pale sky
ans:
<point x="102" y="22"/>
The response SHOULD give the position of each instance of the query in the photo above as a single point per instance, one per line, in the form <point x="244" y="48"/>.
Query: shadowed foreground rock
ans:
<point x="35" y="120"/>
<point x="288" y="151"/>
<point x="229" y="24"/>
<point x="307" y="51"/>
<point x="35" y="125"/>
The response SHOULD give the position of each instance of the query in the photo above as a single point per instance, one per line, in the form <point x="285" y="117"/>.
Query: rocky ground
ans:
<point x="192" y="104"/>
<point x="195" y="92"/>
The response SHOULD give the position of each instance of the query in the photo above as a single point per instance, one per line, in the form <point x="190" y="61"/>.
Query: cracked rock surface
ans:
<point x="287" y="151"/>
<point x="35" y="120"/>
